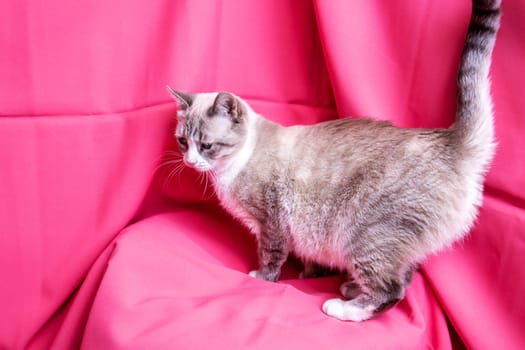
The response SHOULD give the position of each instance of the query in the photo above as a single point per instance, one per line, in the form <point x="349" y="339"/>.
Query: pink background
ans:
<point x="101" y="249"/>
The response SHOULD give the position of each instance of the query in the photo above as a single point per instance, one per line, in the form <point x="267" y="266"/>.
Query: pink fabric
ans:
<point x="195" y="293"/>
<point x="100" y="248"/>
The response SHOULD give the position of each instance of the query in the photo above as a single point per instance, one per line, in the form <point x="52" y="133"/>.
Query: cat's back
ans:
<point x="327" y="153"/>
<point x="338" y="146"/>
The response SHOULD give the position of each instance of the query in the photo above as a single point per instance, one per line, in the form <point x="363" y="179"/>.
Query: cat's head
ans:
<point x="211" y="127"/>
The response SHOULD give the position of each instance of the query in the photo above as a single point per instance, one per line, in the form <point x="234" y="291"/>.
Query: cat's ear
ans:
<point x="228" y="105"/>
<point x="184" y="99"/>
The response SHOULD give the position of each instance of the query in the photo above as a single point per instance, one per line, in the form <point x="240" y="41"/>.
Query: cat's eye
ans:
<point x="182" y="141"/>
<point x="206" y="146"/>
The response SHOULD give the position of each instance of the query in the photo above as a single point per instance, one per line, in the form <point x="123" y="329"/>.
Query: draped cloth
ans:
<point x="103" y="246"/>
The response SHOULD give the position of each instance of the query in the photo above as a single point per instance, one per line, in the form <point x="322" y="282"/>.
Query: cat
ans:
<point x="360" y="196"/>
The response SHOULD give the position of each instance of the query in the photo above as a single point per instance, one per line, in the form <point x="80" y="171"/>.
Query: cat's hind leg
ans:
<point x="369" y="295"/>
<point x="350" y="289"/>
<point x="347" y="310"/>
<point x="363" y="306"/>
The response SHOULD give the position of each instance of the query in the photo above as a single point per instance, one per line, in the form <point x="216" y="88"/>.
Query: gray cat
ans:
<point x="360" y="196"/>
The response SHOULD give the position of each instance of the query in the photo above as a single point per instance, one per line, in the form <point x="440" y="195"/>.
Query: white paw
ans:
<point x="254" y="274"/>
<point x="345" y="311"/>
<point x="334" y="308"/>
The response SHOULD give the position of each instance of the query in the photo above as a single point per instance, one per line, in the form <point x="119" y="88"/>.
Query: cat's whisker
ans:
<point x="169" y="158"/>
<point x="213" y="177"/>
<point x="166" y="164"/>
<point x="205" y="176"/>
<point x="199" y="178"/>
<point x="176" y="171"/>
<point x="203" y="182"/>
<point x="207" y="195"/>
<point x="175" y="164"/>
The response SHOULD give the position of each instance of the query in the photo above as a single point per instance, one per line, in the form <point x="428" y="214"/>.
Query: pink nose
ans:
<point x="190" y="162"/>
<point x="194" y="163"/>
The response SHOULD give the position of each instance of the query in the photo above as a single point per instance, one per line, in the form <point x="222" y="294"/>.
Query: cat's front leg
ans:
<point x="272" y="251"/>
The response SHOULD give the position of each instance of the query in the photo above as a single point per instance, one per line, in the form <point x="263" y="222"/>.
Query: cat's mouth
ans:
<point x="199" y="166"/>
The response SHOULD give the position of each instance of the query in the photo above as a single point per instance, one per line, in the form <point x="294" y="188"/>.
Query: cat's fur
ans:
<point x="356" y="195"/>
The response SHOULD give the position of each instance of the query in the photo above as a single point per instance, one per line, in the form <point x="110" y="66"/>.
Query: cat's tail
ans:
<point x="474" y="124"/>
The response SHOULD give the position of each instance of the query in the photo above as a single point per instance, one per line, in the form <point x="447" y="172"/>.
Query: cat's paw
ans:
<point x="255" y="274"/>
<point x="268" y="276"/>
<point x="346" y="311"/>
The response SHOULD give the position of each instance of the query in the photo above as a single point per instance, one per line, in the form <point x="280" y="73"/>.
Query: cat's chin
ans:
<point x="203" y="169"/>
<point x="199" y="167"/>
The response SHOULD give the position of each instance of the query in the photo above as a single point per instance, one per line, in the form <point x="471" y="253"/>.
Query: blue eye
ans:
<point x="206" y="146"/>
<point x="182" y="141"/>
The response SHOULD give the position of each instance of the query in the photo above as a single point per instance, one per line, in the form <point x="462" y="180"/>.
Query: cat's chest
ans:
<point x="303" y="225"/>
<point x="311" y="242"/>
<point x="233" y="205"/>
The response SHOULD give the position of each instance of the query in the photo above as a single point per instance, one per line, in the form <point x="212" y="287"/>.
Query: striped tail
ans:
<point x="474" y="117"/>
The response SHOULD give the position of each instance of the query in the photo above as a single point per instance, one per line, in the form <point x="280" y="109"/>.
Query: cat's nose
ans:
<point x="191" y="158"/>
<point x="190" y="162"/>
